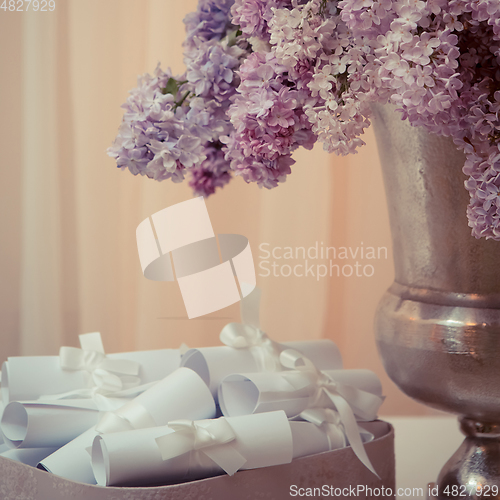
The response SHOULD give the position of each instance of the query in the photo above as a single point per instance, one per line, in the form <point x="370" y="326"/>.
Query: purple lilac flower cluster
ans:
<point x="269" y="121"/>
<point x="213" y="172"/>
<point x="171" y="125"/>
<point x="211" y="57"/>
<point x="155" y="139"/>
<point x="265" y="77"/>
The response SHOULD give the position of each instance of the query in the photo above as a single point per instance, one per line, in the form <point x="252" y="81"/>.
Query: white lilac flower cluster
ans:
<point x="265" y="77"/>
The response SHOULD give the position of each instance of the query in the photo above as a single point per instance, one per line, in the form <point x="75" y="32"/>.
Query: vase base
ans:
<point x="473" y="472"/>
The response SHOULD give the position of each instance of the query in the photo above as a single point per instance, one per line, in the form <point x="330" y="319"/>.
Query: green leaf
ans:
<point x="172" y="87"/>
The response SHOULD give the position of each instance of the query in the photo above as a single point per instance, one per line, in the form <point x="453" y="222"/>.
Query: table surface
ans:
<point x="423" y="446"/>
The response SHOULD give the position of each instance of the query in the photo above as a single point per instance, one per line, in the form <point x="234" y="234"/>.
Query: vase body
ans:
<point x="438" y="326"/>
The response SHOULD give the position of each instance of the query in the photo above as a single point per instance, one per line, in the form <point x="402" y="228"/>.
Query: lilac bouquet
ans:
<point x="264" y="77"/>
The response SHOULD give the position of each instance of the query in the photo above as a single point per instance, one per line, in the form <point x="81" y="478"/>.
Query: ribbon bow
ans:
<point x="129" y="417"/>
<point x="248" y="335"/>
<point x="330" y="422"/>
<point x="339" y="395"/>
<point x="107" y="375"/>
<point x="211" y="437"/>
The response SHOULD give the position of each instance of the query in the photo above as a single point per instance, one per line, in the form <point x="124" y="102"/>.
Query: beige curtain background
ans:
<point x="69" y="262"/>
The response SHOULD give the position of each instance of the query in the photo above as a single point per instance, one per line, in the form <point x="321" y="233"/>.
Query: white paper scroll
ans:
<point x="26" y="378"/>
<point x="28" y="456"/>
<point x="180" y="395"/>
<point x="185" y="248"/>
<point x="309" y="438"/>
<point x="134" y="458"/>
<point x="294" y="391"/>
<point x="213" y="364"/>
<point x="72" y="461"/>
<point x="183" y="392"/>
<point x="50" y="424"/>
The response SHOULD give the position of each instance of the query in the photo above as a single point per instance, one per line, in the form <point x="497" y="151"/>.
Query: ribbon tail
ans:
<point x="366" y="436"/>
<point x="351" y="429"/>
<point x="133" y="391"/>
<point x="364" y="404"/>
<point x="76" y="394"/>
<point x="226" y="457"/>
<point x="111" y="422"/>
<point x="105" y="404"/>
<point x="91" y="342"/>
<point x="121" y="366"/>
<point x="105" y="381"/>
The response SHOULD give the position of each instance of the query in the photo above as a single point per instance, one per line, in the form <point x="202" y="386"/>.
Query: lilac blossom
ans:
<point x="253" y="16"/>
<point x="210" y="21"/>
<point x="264" y="77"/>
<point x="211" y="173"/>
<point x="269" y="121"/>
<point x="155" y="139"/>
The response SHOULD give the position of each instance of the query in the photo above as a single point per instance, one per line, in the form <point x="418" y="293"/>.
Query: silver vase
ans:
<point x="438" y="326"/>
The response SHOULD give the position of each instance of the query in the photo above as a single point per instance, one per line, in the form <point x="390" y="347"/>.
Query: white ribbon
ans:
<point x="249" y="335"/>
<point x="132" y="416"/>
<point x="118" y="377"/>
<point x="339" y="395"/>
<point x="212" y="439"/>
<point x="329" y="422"/>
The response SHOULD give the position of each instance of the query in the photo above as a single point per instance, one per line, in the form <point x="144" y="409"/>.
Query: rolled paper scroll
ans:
<point x="321" y="430"/>
<point x="82" y="372"/>
<point x="182" y="392"/>
<point x="180" y="395"/>
<point x="72" y="461"/>
<point x="28" y="456"/>
<point x="190" y="450"/>
<point x="294" y="391"/>
<point x="309" y="439"/>
<point x="330" y="423"/>
<point x="213" y="364"/>
<point x="50" y="424"/>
